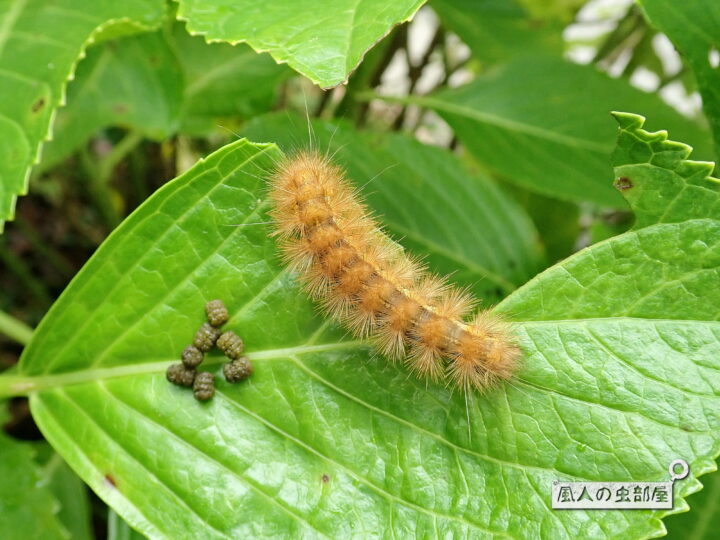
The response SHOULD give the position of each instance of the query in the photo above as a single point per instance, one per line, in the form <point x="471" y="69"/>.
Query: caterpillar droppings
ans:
<point x="362" y="278"/>
<point x="230" y="344"/>
<point x="204" y="386"/>
<point x="205" y="337"/>
<point x="180" y="374"/>
<point x="192" y="357"/>
<point x="217" y="313"/>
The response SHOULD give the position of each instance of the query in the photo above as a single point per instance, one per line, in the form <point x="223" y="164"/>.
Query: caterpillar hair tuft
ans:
<point x="362" y="278"/>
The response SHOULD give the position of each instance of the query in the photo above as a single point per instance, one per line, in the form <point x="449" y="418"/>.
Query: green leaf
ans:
<point x="327" y="439"/>
<point x="490" y="246"/>
<point x="702" y="522"/>
<point x="160" y="83"/>
<point x="557" y="222"/>
<point x="667" y="267"/>
<point x="543" y="123"/>
<point x="223" y="80"/>
<point x="28" y="508"/>
<point x="694" y="29"/>
<point x="133" y="82"/>
<point x="323" y="40"/>
<point x="656" y="178"/>
<point x="563" y="10"/>
<point x="40" y="43"/>
<point x="498" y="29"/>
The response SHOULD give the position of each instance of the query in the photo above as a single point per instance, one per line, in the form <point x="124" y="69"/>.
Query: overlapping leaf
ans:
<point x="159" y="83"/>
<point x="222" y="80"/>
<point x="133" y="82"/>
<point x="40" y="43"/>
<point x="542" y="123"/>
<point x="324" y="40"/>
<point x="326" y="439"/>
<point x="667" y="267"/>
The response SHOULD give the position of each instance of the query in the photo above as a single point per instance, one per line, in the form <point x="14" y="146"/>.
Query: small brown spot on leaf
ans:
<point x="39" y="104"/>
<point x="623" y="183"/>
<point x="325" y="478"/>
<point x="120" y="108"/>
<point x="110" y="479"/>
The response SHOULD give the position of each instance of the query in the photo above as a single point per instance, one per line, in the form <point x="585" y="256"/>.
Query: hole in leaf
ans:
<point x="39" y="104"/>
<point x="623" y="183"/>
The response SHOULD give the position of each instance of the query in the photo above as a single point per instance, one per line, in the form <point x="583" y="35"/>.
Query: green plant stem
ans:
<point x="15" y="328"/>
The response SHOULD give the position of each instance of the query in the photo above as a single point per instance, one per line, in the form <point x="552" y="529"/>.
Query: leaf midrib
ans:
<point x="15" y="385"/>
<point x="502" y="122"/>
<point x="28" y="384"/>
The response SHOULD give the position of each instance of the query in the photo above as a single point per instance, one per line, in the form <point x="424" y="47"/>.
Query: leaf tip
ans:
<point x="628" y="121"/>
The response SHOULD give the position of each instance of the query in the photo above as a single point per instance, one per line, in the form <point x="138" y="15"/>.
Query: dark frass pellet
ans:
<point x="204" y="386"/>
<point x="192" y="357"/>
<point x="205" y="337"/>
<point x="180" y="375"/>
<point x="217" y="313"/>
<point x="238" y="370"/>
<point x="231" y="344"/>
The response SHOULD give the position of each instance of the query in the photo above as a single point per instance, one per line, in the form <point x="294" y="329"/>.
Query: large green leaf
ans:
<point x="667" y="267"/>
<point x="490" y="246"/>
<point x="40" y="43"/>
<point x="326" y="439"/>
<point x="498" y="29"/>
<point x="543" y="123"/>
<point x="324" y="40"/>
<point x="694" y="28"/>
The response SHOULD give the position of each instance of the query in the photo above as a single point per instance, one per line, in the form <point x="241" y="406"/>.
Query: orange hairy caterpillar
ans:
<point x="367" y="282"/>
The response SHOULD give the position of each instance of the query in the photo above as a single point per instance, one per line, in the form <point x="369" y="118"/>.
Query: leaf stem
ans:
<point x="22" y="385"/>
<point x="15" y="328"/>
